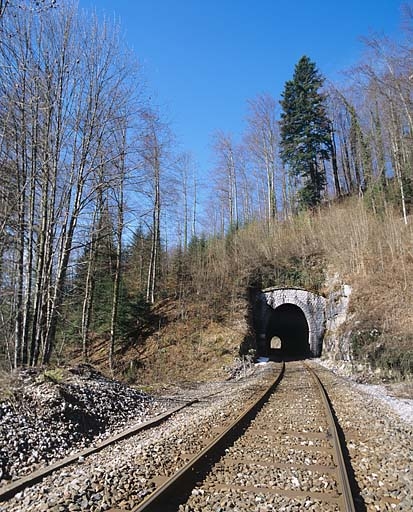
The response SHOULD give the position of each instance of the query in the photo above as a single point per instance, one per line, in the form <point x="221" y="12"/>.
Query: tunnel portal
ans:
<point x="288" y="323"/>
<point x="293" y="315"/>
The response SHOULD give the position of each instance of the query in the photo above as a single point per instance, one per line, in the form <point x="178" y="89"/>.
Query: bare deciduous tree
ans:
<point x="262" y="140"/>
<point x="154" y="152"/>
<point x="227" y="178"/>
<point x="63" y="77"/>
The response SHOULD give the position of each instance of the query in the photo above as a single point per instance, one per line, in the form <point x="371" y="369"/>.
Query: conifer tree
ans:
<point x="305" y="131"/>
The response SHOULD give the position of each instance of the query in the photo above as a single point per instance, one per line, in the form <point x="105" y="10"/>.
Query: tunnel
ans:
<point x="287" y="333"/>
<point x="288" y="322"/>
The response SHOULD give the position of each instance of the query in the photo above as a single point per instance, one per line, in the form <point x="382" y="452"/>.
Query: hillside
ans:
<point x="201" y="334"/>
<point x="116" y="248"/>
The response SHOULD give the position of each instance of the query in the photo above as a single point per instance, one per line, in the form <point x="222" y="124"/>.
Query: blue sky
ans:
<point x="205" y="58"/>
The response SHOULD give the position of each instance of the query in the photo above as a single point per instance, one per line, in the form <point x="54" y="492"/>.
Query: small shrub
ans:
<point x="55" y="375"/>
<point x="380" y="350"/>
<point x="361" y="341"/>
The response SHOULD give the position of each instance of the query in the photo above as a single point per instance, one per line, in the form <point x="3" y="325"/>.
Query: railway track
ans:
<point x="19" y="485"/>
<point x="10" y="490"/>
<point x="282" y="453"/>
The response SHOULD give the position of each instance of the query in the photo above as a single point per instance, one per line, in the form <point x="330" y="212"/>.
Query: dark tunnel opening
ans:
<point x="287" y="335"/>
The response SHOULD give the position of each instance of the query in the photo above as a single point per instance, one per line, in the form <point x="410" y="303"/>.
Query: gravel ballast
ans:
<point x="49" y="415"/>
<point x="378" y="440"/>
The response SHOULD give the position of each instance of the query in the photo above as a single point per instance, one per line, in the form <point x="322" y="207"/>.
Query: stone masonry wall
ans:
<point x="326" y="316"/>
<point x="312" y="305"/>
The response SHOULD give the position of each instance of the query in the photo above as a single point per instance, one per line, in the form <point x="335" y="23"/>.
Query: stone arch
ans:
<point x="311" y="305"/>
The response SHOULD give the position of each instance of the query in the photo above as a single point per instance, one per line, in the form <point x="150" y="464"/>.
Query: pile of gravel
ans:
<point x="121" y="475"/>
<point x="49" y="415"/>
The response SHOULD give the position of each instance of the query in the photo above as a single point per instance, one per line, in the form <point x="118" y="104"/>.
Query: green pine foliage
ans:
<point x="305" y="131"/>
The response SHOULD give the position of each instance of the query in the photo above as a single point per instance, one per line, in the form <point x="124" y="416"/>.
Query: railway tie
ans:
<point x="284" y="450"/>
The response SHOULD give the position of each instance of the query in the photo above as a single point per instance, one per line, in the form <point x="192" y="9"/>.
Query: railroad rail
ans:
<point x="283" y="449"/>
<point x="10" y="490"/>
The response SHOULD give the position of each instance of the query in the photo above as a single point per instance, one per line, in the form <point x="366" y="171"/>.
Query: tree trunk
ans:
<point x="156" y="216"/>
<point x="118" y="262"/>
<point x="337" y="185"/>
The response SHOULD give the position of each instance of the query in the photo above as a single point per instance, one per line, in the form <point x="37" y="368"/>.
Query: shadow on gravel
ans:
<point x="359" y="504"/>
<point x="184" y="482"/>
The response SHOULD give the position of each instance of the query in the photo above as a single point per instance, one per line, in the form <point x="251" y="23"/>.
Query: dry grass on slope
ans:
<point x="184" y="349"/>
<point x="374" y="253"/>
<point x="371" y="252"/>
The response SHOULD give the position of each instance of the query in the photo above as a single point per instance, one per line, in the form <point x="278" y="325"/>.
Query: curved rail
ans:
<point x="195" y="469"/>
<point x="155" y="501"/>
<point x="342" y="470"/>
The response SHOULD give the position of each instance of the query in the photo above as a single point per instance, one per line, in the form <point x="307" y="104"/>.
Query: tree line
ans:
<point x="100" y="211"/>
<point x="321" y="141"/>
<point x="82" y="151"/>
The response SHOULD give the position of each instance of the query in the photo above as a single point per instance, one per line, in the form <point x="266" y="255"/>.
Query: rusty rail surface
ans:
<point x="180" y="484"/>
<point x="156" y="501"/>
<point x="196" y="468"/>
<point x="342" y="470"/>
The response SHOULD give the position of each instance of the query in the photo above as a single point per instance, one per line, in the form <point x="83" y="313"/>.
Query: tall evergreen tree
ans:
<point x="305" y="131"/>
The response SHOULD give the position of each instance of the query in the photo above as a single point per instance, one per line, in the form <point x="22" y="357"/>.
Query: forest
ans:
<point x="105" y="221"/>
